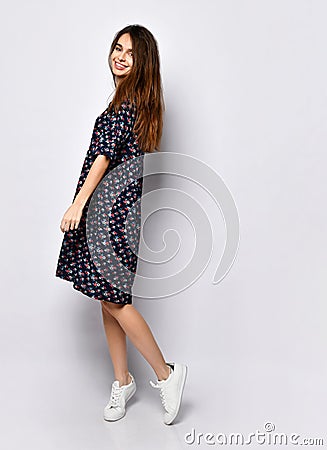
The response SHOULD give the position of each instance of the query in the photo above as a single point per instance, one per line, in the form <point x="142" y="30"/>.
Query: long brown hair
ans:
<point x="143" y="86"/>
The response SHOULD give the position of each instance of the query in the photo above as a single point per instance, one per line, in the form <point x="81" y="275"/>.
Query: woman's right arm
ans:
<point x="72" y="216"/>
<point x="111" y="136"/>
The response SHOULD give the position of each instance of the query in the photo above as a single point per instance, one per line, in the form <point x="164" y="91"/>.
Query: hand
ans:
<point x="71" y="218"/>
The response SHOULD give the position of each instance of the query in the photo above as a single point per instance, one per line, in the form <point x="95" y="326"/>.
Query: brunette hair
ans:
<point x="143" y="86"/>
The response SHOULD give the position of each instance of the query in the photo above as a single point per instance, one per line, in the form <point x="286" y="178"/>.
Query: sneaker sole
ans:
<point x="127" y="398"/>
<point x="184" y="374"/>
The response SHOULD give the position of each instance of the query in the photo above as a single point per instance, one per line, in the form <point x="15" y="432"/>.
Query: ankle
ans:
<point x="124" y="379"/>
<point x="164" y="373"/>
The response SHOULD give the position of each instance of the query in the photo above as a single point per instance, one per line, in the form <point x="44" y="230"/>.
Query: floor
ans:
<point x="49" y="405"/>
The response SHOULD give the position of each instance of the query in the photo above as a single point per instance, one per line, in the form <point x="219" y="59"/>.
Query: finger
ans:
<point x="72" y="224"/>
<point x="77" y="221"/>
<point x="63" y="223"/>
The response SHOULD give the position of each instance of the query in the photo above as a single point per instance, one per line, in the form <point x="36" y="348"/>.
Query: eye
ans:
<point x="117" y="48"/>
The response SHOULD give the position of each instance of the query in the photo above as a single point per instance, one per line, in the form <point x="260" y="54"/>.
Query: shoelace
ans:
<point x="115" y="396"/>
<point x="161" y="393"/>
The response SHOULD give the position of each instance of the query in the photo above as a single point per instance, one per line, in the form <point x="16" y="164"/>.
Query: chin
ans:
<point x="120" y="74"/>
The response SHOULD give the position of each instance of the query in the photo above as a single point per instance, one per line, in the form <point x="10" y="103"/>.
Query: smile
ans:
<point x="120" y="66"/>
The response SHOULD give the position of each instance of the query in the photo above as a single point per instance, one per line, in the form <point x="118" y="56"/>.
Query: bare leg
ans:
<point x="116" y="339"/>
<point x="135" y="327"/>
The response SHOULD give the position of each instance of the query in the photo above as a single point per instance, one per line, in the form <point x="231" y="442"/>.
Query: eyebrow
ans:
<point x="130" y="49"/>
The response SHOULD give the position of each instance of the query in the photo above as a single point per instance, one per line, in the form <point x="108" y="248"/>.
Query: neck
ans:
<point x="117" y="80"/>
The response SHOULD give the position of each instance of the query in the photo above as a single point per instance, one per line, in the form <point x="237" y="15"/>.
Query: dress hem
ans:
<point x="83" y="291"/>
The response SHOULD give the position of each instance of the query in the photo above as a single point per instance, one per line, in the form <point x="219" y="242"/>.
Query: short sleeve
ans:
<point x="112" y="131"/>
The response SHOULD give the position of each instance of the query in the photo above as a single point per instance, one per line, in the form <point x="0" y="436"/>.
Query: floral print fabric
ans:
<point x="112" y="136"/>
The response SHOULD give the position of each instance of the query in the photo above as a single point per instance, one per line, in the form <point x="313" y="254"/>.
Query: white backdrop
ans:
<point x="245" y="91"/>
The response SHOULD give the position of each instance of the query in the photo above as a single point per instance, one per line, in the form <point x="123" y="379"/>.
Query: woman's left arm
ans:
<point x="73" y="215"/>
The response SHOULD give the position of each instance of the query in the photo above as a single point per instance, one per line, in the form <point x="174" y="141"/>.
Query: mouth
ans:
<point x="120" y="66"/>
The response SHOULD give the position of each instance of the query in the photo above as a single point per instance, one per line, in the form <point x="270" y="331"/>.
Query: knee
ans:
<point x="110" y="307"/>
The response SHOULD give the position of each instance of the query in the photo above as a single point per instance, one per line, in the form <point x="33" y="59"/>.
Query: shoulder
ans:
<point x="128" y="107"/>
<point x="123" y="119"/>
<point x="126" y="111"/>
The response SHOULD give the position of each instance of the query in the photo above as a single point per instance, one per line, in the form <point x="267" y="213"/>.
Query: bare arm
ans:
<point x="73" y="214"/>
<point x="92" y="180"/>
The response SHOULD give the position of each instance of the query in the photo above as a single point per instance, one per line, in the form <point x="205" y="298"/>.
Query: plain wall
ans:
<point x="245" y="91"/>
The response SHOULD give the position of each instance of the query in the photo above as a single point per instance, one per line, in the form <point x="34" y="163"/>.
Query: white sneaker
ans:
<point x="171" y="390"/>
<point x="116" y="407"/>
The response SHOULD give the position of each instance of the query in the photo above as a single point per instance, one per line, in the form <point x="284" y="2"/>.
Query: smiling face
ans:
<point x="121" y="58"/>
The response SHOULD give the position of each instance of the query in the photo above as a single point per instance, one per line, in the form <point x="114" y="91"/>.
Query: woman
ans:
<point x="128" y="128"/>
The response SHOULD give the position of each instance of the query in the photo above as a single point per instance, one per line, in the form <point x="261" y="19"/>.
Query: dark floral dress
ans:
<point x="112" y="136"/>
